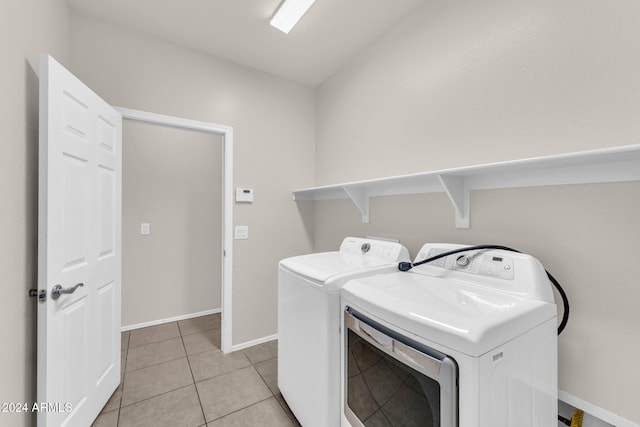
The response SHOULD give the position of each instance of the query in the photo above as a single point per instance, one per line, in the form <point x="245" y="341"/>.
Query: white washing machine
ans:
<point x="450" y="345"/>
<point x="309" y="319"/>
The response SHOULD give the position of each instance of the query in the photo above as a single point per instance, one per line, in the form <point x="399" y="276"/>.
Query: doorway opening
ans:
<point x="225" y="133"/>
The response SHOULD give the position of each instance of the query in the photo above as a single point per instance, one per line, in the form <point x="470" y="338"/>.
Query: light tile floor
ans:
<point x="175" y="375"/>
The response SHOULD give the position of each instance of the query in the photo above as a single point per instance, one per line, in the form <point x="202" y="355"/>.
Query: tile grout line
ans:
<point x="265" y="381"/>
<point x="150" y="366"/>
<point x="204" y="351"/>
<point x="184" y="356"/>
<point x="157" y="395"/>
<point x="262" y="361"/>
<point x="197" y="332"/>
<point x="287" y="411"/>
<point x="245" y="407"/>
<point x="156" y="342"/>
<point x="124" y="373"/>
<point x="180" y="334"/>
<point x="157" y="364"/>
<point x="204" y="416"/>
<point x="223" y="373"/>
<point x="159" y="341"/>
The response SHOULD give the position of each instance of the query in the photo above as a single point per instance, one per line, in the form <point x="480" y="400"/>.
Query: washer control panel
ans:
<point x="389" y="251"/>
<point x="473" y="262"/>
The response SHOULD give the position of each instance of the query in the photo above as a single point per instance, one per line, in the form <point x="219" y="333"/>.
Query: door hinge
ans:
<point x="42" y="295"/>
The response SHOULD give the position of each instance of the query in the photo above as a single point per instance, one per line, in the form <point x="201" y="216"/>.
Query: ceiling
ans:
<point x="327" y="36"/>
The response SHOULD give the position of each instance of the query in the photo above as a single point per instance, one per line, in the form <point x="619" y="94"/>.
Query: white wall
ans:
<point x="27" y="28"/>
<point x="465" y="82"/>
<point x="171" y="179"/>
<point x="469" y="82"/>
<point x="273" y="122"/>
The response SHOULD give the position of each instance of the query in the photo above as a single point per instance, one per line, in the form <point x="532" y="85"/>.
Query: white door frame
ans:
<point x="227" y="202"/>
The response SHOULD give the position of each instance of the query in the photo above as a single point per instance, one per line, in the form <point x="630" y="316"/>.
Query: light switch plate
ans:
<point x="145" y="228"/>
<point x="242" y="232"/>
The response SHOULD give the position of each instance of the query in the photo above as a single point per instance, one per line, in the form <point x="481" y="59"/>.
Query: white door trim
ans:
<point x="227" y="202"/>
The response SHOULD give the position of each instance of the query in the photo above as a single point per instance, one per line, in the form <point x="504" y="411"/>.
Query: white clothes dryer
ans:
<point x="309" y="319"/>
<point x="468" y="341"/>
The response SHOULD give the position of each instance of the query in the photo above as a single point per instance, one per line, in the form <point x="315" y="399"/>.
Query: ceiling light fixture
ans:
<point x="289" y="13"/>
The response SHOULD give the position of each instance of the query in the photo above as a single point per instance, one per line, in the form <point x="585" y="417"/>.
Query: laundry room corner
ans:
<point x="473" y="83"/>
<point x="320" y="213"/>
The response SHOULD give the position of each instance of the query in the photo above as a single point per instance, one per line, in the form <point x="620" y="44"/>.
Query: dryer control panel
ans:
<point x="473" y="262"/>
<point x="500" y="270"/>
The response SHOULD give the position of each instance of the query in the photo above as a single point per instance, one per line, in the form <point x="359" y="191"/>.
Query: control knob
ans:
<point x="463" y="260"/>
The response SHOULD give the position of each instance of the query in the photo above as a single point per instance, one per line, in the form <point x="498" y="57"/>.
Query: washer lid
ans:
<point x="323" y="266"/>
<point x="455" y="314"/>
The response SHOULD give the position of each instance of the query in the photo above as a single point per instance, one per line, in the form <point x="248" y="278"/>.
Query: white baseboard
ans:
<point x="596" y="411"/>
<point x="254" y="342"/>
<point x="170" y="319"/>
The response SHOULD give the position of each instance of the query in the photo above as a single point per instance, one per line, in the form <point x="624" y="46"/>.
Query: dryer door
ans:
<point x="393" y="380"/>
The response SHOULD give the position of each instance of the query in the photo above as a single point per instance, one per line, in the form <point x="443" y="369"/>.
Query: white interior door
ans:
<point x="79" y="241"/>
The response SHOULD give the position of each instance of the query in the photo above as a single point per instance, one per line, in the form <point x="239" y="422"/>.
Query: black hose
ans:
<point x="406" y="266"/>
<point x="564" y="420"/>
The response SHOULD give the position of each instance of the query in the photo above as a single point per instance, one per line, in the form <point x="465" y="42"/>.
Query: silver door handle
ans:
<point x="59" y="290"/>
